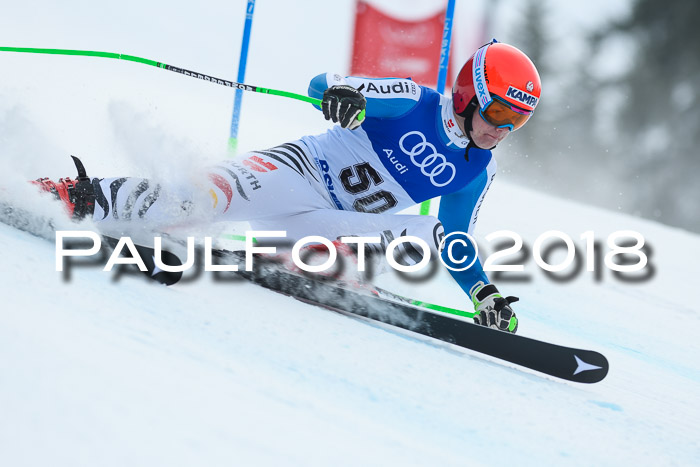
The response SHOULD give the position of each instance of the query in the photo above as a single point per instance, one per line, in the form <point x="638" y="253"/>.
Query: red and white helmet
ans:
<point x="504" y="82"/>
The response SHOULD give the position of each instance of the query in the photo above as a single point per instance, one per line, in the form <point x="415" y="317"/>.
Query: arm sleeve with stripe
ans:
<point x="458" y="213"/>
<point x="396" y="105"/>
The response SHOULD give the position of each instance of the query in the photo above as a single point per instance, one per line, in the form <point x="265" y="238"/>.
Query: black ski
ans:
<point x="45" y="227"/>
<point x="582" y="366"/>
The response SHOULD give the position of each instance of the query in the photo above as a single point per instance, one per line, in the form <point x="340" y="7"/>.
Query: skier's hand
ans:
<point x="492" y="309"/>
<point x="344" y="105"/>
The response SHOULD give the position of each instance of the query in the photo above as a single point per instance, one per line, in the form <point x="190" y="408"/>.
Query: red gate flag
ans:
<point x="387" y="47"/>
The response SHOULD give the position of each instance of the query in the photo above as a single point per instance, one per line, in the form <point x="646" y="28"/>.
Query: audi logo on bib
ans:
<point x="432" y="164"/>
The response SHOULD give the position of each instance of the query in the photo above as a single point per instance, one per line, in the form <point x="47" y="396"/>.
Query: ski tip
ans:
<point x="589" y="367"/>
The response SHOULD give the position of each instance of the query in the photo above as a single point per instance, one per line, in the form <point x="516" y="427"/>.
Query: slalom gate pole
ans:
<point x="442" y="73"/>
<point x="164" y="66"/>
<point x="445" y="50"/>
<point x="238" y="99"/>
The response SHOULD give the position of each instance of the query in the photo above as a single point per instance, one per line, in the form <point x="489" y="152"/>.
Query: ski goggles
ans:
<point x="501" y="114"/>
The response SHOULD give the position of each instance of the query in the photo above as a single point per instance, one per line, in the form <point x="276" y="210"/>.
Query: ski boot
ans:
<point x="78" y="195"/>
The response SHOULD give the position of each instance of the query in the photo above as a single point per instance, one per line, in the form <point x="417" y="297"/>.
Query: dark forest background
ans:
<point x="627" y="140"/>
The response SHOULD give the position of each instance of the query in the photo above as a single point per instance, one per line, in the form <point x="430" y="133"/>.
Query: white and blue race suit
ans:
<point x="407" y="150"/>
<point x="340" y="183"/>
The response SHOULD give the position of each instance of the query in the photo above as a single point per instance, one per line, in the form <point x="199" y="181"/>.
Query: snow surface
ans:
<point x="95" y="371"/>
<point x="102" y="372"/>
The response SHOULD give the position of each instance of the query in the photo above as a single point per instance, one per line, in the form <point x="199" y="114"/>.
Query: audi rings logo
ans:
<point x="433" y="164"/>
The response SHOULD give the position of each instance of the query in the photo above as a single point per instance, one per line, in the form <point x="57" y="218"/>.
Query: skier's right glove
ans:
<point x="344" y="105"/>
<point x="492" y="309"/>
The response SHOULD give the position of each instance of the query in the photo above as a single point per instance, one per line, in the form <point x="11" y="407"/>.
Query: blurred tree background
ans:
<point x="628" y="140"/>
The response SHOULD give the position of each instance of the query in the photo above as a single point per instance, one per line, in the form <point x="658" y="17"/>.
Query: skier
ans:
<point x="413" y="145"/>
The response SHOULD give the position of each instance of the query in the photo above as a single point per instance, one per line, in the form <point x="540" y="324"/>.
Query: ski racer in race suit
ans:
<point x="413" y="145"/>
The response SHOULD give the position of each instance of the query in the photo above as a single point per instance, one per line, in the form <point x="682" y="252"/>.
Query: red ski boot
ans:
<point x="77" y="195"/>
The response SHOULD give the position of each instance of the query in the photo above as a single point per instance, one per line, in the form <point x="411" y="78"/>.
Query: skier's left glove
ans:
<point x="492" y="309"/>
<point x="345" y="105"/>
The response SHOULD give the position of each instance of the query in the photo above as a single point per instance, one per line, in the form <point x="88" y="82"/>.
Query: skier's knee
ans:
<point x="430" y="229"/>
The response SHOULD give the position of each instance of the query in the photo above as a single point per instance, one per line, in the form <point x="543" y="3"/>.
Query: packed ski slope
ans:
<point x="102" y="372"/>
<point x="98" y="371"/>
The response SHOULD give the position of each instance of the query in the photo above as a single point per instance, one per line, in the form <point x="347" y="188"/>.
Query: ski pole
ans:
<point x="426" y="305"/>
<point x="192" y="74"/>
<point x="443" y="309"/>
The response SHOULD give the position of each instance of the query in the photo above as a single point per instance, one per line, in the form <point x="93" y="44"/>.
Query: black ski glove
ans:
<point x="343" y="104"/>
<point x="492" y="309"/>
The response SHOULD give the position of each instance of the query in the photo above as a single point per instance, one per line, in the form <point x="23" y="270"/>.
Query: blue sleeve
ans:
<point x="386" y="97"/>
<point x="317" y="87"/>
<point x="458" y="213"/>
